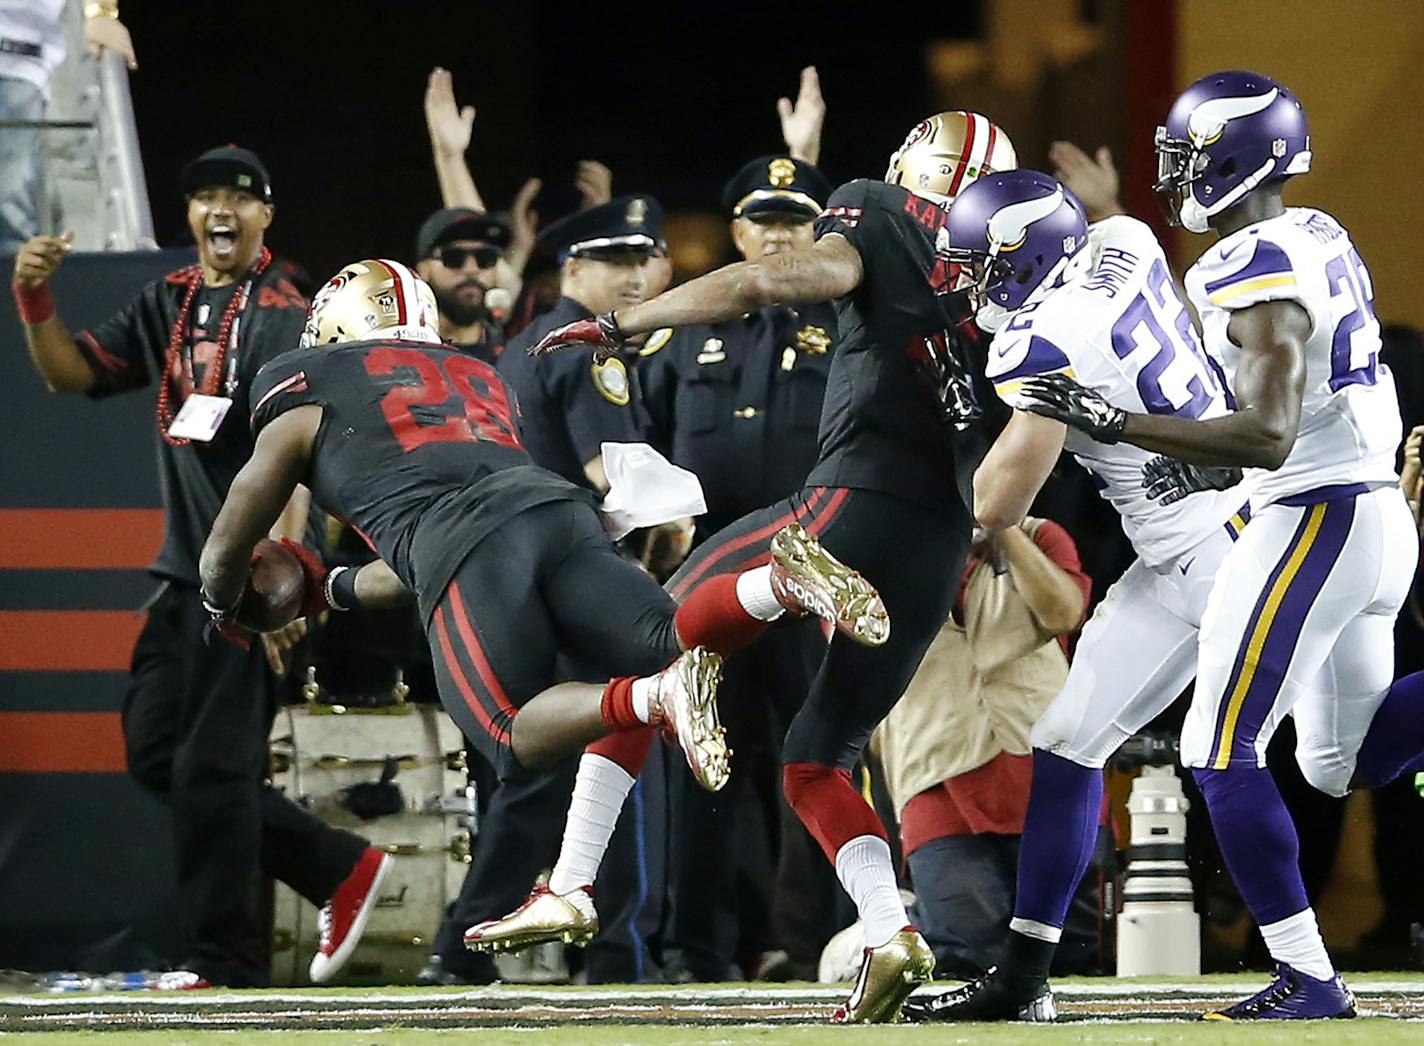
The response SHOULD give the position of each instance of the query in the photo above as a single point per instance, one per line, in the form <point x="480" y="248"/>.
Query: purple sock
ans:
<point x="1060" y="831"/>
<point x="1395" y="742"/>
<point x="1257" y="838"/>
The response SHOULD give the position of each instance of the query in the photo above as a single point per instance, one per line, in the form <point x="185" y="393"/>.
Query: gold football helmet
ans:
<point x="943" y="154"/>
<point x="374" y="298"/>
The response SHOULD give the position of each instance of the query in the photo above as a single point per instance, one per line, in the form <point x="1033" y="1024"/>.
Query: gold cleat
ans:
<point x="888" y="975"/>
<point x="686" y="705"/>
<point x="809" y="580"/>
<point x="545" y="916"/>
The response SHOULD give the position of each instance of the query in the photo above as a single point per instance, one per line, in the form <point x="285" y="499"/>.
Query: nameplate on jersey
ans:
<point x="200" y="418"/>
<point x="712" y="351"/>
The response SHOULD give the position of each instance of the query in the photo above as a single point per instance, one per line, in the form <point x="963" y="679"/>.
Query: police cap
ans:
<point x="628" y="224"/>
<point x="771" y="184"/>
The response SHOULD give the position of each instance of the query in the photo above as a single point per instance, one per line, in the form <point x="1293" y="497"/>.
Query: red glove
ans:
<point x="314" y="572"/>
<point x="601" y="332"/>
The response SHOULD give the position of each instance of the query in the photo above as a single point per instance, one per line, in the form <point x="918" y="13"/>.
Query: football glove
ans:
<point x="1169" y="480"/>
<point x="1059" y="397"/>
<point x="601" y="332"/>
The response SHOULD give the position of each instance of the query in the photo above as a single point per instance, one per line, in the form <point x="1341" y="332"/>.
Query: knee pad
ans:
<point x="1330" y="775"/>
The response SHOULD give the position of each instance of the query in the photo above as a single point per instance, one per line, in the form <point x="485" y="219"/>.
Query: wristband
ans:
<point x="35" y="304"/>
<point x="608" y="324"/>
<point x="340" y="588"/>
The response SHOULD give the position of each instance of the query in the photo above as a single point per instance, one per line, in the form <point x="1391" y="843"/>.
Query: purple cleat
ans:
<point x="1292" y="996"/>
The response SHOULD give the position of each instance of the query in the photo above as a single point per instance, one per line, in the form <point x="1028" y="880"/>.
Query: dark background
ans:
<point x="331" y="95"/>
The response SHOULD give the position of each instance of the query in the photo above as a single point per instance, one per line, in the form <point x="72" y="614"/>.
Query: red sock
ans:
<point x="828" y="805"/>
<point x="628" y="748"/>
<point x="617" y="705"/>
<point x="713" y="617"/>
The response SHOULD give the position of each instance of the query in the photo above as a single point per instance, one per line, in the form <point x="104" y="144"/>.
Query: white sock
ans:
<point x="599" y="791"/>
<point x="1296" y="941"/>
<point x="1037" y="930"/>
<point x="643" y="691"/>
<point x="864" y="869"/>
<point x="756" y="595"/>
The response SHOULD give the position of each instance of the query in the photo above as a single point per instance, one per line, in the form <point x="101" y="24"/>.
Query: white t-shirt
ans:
<point x="32" y="22"/>
<point x="1122" y="329"/>
<point x="1349" y="422"/>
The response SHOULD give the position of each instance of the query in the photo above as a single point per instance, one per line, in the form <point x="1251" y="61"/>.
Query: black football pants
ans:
<point x="196" y="719"/>
<point x="548" y="581"/>
<point x="912" y="554"/>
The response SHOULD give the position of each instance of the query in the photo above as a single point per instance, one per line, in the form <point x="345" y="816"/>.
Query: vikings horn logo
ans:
<point x="1208" y="121"/>
<point x="781" y="172"/>
<point x="1008" y="226"/>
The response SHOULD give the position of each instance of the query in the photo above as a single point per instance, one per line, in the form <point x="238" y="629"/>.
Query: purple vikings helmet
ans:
<point x="1011" y="234"/>
<point x="1225" y="135"/>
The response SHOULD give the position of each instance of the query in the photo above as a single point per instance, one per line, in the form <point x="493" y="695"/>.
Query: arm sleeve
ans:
<point x="292" y="380"/>
<point x="116" y="348"/>
<point x="1058" y="545"/>
<point x="848" y="212"/>
<point x="1265" y="270"/>
<point x="1021" y="355"/>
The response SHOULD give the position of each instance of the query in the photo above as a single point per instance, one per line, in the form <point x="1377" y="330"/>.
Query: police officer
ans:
<point x="458" y="251"/>
<point x="569" y="404"/>
<point x="739" y="404"/>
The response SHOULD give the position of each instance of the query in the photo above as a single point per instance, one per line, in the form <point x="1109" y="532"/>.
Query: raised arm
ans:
<point x="801" y="123"/>
<point x="1269" y="388"/>
<point x="52" y="347"/>
<point x="255" y="502"/>
<point x="830" y="268"/>
<point x="450" y="127"/>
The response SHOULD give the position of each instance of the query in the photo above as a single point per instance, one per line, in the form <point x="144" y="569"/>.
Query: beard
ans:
<point x="459" y="313"/>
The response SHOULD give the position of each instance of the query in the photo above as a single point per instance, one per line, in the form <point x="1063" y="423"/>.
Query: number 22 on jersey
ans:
<point x="421" y="409"/>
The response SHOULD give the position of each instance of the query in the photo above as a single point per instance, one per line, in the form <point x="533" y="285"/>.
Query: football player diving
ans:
<point x="414" y="444"/>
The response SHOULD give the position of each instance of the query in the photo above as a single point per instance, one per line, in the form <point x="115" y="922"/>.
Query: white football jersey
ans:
<point x="1121" y="328"/>
<point x="1349" y="421"/>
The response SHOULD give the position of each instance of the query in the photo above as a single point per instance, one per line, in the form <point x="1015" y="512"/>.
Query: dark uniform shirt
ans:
<point x="902" y="401"/>
<point x="568" y="405"/>
<point x="128" y="351"/>
<point x="739" y="403"/>
<point x="416" y="450"/>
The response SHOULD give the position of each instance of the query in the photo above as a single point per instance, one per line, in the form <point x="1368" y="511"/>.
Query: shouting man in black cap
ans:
<point x="196" y="715"/>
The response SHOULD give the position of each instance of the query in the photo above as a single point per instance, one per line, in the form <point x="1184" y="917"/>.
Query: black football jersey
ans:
<point x="902" y="410"/>
<point x="417" y="450"/>
<point x="129" y="351"/>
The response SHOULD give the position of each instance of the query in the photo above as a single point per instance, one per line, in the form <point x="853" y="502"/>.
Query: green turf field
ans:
<point x="1096" y="1011"/>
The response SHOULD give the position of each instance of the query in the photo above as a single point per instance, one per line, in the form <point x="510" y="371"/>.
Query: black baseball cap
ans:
<point x="228" y="166"/>
<point x="460" y="223"/>
<point x="771" y="184"/>
<point x="627" y="225"/>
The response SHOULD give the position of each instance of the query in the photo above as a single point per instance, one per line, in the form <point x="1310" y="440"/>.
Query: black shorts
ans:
<point x="548" y="581"/>
<point x="912" y="554"/>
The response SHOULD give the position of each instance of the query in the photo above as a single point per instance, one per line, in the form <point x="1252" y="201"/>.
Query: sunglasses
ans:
<point x="455" y="257"/>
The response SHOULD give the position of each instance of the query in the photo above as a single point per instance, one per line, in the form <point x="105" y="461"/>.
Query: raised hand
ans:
<point x="594" y="182"/>
<point x="1059" y="397"/>
<point x="450" y="126"/>
<point x="102" y="34"/>
<point x="801" y="123"/>
<point x="38" y="258"/>
<point x="1169" y="480"/>
<point x="1093" y="179"/>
